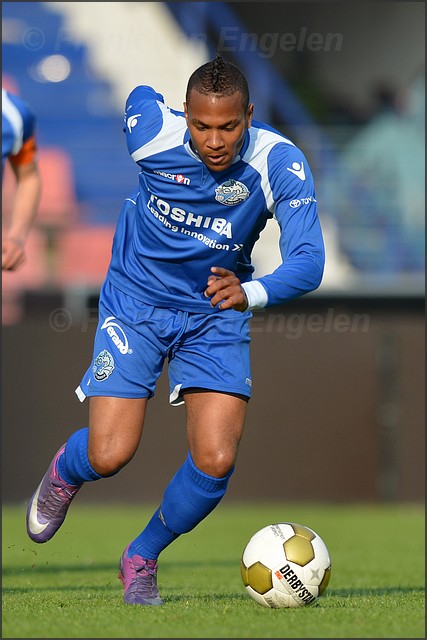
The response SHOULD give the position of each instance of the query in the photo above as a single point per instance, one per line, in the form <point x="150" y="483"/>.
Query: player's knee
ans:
<point x="107" y="462"/>
<point x="216" y="464"/>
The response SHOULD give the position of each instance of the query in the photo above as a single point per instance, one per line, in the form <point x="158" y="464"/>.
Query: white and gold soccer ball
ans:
<point x="285" y="565"/>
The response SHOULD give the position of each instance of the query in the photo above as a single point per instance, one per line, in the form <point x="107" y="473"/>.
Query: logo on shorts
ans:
<point x="117" y="335"/>
<point x="103" y="366"/>
<point x="231" y="192"/>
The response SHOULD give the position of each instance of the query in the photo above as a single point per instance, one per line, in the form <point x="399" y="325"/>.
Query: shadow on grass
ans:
<point x="104" y="590"/>
<point x="84" y="589"/>
<point x="380" y="591"/>
<point x="108" y="567"/>
<point x="46" y="567"/>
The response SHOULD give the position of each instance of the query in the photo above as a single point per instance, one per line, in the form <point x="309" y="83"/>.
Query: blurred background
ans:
<point x="338" y="406"/>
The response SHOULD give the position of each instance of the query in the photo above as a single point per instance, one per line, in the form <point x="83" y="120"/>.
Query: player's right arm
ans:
<point x="150" y="126"/>
<point x="23" y="161"/>
<point x="26" y="199"/>
<point x="143" y="118"/>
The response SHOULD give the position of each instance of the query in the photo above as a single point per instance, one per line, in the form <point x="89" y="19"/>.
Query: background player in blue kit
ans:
<point x="180" y="288"/>
<point x="19" y="149"/>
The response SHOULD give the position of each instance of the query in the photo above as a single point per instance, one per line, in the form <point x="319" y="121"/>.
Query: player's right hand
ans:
<point x="13" y="255"/>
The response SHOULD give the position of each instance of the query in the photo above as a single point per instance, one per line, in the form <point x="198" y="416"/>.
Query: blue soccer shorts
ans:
<point x="133" y="340"/>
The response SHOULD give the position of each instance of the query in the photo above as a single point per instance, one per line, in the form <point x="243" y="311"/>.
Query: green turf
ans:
<point x="68" y="588"/>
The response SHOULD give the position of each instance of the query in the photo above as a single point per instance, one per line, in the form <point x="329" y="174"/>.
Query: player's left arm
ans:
<point x="25" y="205"/>
<point x="225" y="290"/>
<point x="301" y="239"/>
<point x="301" y="242"/>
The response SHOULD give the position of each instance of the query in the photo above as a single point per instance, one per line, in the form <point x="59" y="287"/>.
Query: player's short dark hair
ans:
<point x="220" y="78"/>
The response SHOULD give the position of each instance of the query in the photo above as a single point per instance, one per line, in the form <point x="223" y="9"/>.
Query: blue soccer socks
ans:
<point x="73" y="465"/>
<point x="190" y="496"/>
<point x="155" y="537"/>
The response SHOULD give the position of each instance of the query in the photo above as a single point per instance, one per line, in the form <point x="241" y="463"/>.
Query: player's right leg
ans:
<point x="125" y="366"/>
<point x="49" y="504"/>
<point x="89" y="454"/>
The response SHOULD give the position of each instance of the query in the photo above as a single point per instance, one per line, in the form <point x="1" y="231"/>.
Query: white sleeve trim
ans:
<point x="256" y="294"/>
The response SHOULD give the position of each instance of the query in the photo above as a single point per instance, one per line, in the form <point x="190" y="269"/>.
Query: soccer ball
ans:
<point x="285" y="565"/>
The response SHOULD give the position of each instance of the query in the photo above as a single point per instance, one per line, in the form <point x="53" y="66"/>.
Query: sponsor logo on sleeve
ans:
<point x="294" y="204"/>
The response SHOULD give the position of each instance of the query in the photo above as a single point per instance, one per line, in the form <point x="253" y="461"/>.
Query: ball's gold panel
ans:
<point x="325" y="581"/>
<point x="299" y="549"/>
<point x="244" y="573"/>
<point x="259" y="578"/>
<point x="302" y="531"/>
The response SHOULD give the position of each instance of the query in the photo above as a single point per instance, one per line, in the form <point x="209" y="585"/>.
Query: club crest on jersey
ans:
<point x="103" y="366"/>
<point x="231" y="192"/>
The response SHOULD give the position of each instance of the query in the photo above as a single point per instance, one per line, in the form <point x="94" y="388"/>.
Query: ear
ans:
<point x="186" y="111"/>
<point x="249" y="115"/>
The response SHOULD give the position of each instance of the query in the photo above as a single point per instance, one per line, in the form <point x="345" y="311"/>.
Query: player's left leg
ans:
<point x="209" y="370"/>
<point x="214" y="425"/>
<point x="214" y="429"/>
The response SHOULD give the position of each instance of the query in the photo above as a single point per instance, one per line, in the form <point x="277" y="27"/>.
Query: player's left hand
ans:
<point x="225" y="290"/>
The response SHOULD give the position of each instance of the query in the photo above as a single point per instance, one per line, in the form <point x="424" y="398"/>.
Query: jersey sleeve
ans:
<point x="27" y="153"/>
<point x="301" y="241"/>
<point x="143" y="118"/>
<point x="25" y="148"/>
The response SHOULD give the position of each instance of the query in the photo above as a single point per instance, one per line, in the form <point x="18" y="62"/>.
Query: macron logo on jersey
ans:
<point x="177" y="177"/>
<point x="298" y="170"/>
<point x="132" y="121"/>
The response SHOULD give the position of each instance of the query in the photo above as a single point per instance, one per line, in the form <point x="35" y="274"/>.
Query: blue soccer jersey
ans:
<point x="18" y="130"/>
<point x="186" y="218"/>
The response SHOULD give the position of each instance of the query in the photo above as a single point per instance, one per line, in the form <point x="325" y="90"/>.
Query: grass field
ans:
<point x="68" y="588"/>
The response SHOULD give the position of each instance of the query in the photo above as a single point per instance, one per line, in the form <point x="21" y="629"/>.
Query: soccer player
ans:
<point x="180" y="288"/>
<point x="19" y="149"/>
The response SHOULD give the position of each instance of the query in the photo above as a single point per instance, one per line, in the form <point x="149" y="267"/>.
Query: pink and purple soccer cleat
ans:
<point x="139" y="578"/>
<point x="49" y="505"/>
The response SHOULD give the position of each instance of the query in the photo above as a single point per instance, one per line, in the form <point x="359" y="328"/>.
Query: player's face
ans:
<point x="217" y="127"/>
